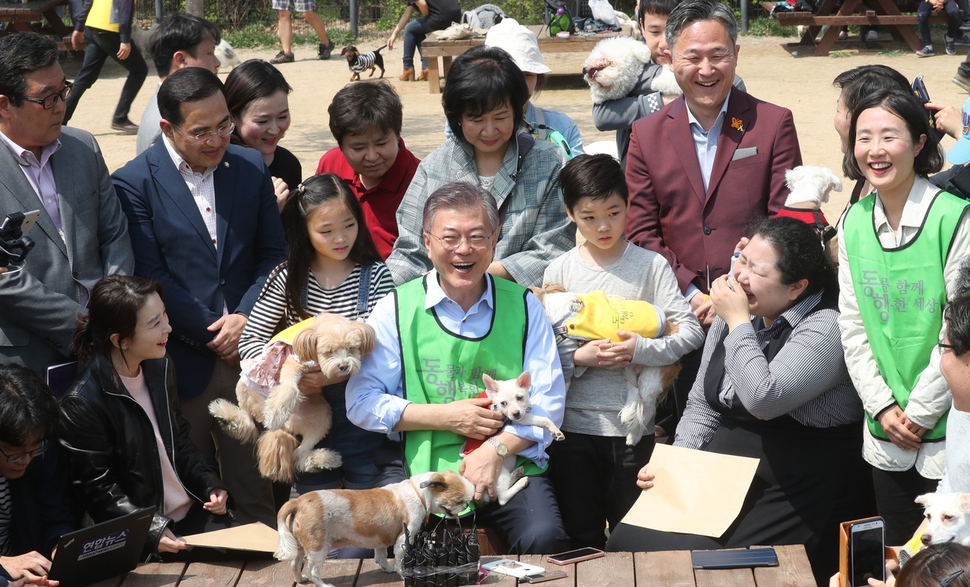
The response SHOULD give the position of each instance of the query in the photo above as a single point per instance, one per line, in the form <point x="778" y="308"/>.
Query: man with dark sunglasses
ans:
<point x="81" y="233"/>
<point x="35" y="507"/>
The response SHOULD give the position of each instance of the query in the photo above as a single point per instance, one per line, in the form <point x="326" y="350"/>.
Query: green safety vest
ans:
<point x="901" y="293"/>
<point x="439" y="367"/>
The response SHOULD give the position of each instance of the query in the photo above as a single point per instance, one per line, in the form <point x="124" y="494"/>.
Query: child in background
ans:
<point x="331" y="266"/>
<point x="365" y="120"/>
<point x="596" y="199"/>
<point x="953" y="36"/>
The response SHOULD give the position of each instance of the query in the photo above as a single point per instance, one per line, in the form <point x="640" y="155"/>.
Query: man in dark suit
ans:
<point x="204" y="222"/>
<point x="704" y="166"/>
<point x="81" y="233"/>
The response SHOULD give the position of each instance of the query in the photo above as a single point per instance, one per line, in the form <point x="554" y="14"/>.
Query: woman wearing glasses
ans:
<point x="484" y="100"/>
<point x="121" y="423"/>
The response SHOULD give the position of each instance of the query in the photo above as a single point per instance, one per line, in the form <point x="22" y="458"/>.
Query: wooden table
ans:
<point x="870" y="12"/>
<point x="37" y="15"/>
<point x="432" y="49"/>
<point x="652" y="569"/>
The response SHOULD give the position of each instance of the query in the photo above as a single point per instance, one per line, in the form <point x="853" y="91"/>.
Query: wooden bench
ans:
<point x="620" y="569"/>
<point x="433" y="48"/>
<point x="39" y="16"/>
<point x="853" y="12"/>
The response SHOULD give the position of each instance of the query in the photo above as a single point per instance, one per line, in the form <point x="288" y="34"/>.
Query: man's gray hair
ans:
<point x="691" y="11"/>
<point x="460" y="195"/>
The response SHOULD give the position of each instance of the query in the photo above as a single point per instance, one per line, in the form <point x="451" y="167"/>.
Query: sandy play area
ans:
<point x="773" y="70"/>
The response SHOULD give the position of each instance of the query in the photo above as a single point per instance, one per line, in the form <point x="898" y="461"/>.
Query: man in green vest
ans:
<point x="436" y="336"/>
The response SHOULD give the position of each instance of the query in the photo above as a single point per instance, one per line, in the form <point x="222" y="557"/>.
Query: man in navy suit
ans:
<point x="204" y="222"/>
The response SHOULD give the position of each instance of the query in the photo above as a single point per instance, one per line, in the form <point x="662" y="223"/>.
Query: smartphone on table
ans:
<point x="867" y="551"/>
<point x="575" y="556"/>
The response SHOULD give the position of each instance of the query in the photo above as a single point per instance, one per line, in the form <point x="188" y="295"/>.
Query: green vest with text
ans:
<point x="901" y="293"/>
<point x="439" y="367"/>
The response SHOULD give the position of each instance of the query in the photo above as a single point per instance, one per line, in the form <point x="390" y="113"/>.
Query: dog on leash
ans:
<point x="329" y="341"/>
<point x="646" y="386"/>
<point x="358" y="62"/>
<point x="947" y="518"/>
<point x="511" y="399"/>
<point x="371" y="518"/>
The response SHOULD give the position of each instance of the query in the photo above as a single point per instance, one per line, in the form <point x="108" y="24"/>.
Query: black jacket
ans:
<point x="115" y="466"/>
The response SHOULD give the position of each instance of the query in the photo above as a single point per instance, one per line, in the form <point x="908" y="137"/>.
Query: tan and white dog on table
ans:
<point x="579" y="318"/>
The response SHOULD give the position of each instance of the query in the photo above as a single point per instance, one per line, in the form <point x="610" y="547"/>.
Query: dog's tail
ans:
<point x="378" y="50"/>
<point x="287" y="549"/>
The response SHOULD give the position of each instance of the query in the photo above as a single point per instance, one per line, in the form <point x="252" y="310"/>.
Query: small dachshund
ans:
<point x="358" y="62"/>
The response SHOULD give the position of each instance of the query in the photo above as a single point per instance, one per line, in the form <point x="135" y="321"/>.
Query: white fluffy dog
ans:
<point x="334" y="343"/>
<point x="613" y="67"/>
<point x="646" y="385"/>
<point x="809" y="183"/>
<point x="226" y="54"/>
<point x="946" y="516"/>
<point x="371" y="518"/>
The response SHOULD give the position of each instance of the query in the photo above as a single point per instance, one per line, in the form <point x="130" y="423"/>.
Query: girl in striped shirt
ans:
<point x="331" y="266"/>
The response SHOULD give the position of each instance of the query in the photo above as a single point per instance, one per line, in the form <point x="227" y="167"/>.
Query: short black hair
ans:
<point x="179" y="32"/>
<point x="28" y="410"/>
<point x="20" y="55"/>
<point x="357" y="108"/>
<point x="658" y="7"/>
<point x="186" y="85"/>
<point x="906" y="106"/>
<point x="592" y="176"/>
<point x="251" y="80"/>
<point x="865" y="80"/>
<point x="480" y="80"/>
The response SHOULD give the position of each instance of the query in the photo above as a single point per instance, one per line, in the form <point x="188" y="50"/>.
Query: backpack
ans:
<point x="484" y="17"/>
<point x="558" y="18"/>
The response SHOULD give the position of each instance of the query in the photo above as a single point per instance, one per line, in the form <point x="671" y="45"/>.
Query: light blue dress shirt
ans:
<point x="375" y="395"/>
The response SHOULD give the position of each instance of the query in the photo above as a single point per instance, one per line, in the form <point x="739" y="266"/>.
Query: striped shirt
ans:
<point x="6" y="515"/>
<point x="807" y="379"/>
<point x="270" y="308"/>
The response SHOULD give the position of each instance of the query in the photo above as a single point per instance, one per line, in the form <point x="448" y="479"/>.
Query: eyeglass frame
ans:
<point x="944" y="346"/>
<point x="945" y="581"/>
<point x="62" y="95"/>
<point x="204" y="137"/>
<point x="20" y="456"/>
<point x="462" y="239"/>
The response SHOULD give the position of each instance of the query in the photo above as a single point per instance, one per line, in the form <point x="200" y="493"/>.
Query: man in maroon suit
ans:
<point x="702" y="168"/>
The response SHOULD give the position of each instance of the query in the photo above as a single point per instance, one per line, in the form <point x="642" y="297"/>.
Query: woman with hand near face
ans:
<point x="256" y="96"/>
<point x="899" y="257"/>
<point x="484" y="100"/>
<point x="773" y="385"/>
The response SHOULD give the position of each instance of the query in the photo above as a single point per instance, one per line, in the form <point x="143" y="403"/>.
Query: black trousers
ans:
<point x="895" y="492"/>
<point x="99" y="46"/>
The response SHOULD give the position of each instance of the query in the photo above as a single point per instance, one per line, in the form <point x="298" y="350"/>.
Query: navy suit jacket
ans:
<point x="172" y="245"/>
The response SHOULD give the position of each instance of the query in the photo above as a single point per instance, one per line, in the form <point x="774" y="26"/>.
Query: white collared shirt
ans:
<point x="705" y="142"/>
<point x="40" y="175"/>
<point x="201" y="186"/>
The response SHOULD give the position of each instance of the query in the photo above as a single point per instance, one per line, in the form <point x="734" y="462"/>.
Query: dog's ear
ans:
<point x="926" y="499"/>
<point x="554" y="288"/>
<point x="524" y="381"/>
<point x="963" y="502"/>
<point x="436" y="481"/>
<point x="367" y="337"/>
<point x="305" y="344"/>
<point x="490" y="384"/>
<point x="538" y="292"/>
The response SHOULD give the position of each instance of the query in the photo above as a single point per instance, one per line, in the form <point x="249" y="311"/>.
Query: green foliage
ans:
<point x="251" y="36"/>
<point x="764" y="26"/>
<point x="839" y="54"/>
<point x="527" y="12"/>
<point x="893" y="53"/>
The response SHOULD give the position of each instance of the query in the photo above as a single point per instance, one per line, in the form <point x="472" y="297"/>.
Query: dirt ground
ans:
<point x="774" y="69"/>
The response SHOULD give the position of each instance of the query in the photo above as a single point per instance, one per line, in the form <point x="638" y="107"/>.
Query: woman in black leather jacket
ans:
<point x="129" y="445"/>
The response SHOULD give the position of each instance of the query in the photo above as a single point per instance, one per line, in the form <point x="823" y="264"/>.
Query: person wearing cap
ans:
<point x="956" y="179"/>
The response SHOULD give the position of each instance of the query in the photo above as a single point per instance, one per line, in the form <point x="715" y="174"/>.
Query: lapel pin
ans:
<point x="737" y="124"/>
<point x="225" y="164"/>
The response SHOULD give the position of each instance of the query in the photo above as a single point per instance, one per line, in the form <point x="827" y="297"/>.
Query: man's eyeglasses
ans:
<point x="21" y="456"/>
<point x="951" y="578"/>
<point x="50" y="100"/>
<point x="221" y="132"/>
<point x="944" y="346"/>
<point x="453" y="241"/>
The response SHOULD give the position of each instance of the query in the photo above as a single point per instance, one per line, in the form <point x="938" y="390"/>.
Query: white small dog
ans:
<point x="371" y="518"/>
<point x="613" y="67"/>
<point x="809" y="183"/>
<point x="511" y="399"/>
<point x="226" y="54"/>
<point x="334" y="343"/>
<point x="947" y="518"/>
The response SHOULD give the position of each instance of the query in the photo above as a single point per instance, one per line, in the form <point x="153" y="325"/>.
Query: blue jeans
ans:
<point x="414" y="33"/>
<point x="99" y="45"/>
<point x="952" y="20"/>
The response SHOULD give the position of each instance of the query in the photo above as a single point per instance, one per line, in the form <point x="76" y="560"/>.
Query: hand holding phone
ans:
<point x="575" y="556"/>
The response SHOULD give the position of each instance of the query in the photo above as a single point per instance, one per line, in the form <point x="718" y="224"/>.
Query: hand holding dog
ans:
<point x="730" y="301"/>
<point x="313" y="382"/>
<point x="471" y="417"/>
<point x="900" y="429"/>
<point x="482" y="468"/>
<point x="217" y="502"/>
<point x="170" y="543"/>
<point x="612" y="354"/>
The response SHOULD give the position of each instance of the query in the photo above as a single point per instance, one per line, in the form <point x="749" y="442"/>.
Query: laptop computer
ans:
<point x="101" y="551"/>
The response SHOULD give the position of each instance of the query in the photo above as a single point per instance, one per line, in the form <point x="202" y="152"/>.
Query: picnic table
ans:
<point x="37" y="15"/>
<point x="853" y="12"/>
<point x="620" y="569"/>
<point x="433" y="48"/>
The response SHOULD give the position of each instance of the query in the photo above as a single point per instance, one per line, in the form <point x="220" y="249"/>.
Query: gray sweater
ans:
<point x="596" y="395"/>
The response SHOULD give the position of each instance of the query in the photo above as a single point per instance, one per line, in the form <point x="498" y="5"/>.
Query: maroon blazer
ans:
<point x="669" y="211"/>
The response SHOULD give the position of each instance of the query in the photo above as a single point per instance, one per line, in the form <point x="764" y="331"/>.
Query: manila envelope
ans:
<point x="694" y="492"/>
<point x="256" y="536"/>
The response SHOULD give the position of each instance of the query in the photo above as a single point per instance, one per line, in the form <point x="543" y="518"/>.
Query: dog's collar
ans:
<point x="427" y="512"/>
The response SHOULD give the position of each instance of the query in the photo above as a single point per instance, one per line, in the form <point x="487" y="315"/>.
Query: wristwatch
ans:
<point x="501" y="449"/>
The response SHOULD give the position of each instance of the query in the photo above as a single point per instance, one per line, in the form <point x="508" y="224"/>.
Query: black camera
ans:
<point x="14" y="246"/>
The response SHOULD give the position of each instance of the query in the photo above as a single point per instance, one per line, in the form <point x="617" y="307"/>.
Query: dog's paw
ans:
<point x="516" y="474"/>
<point x="633" y="439"/>
<point x="321" y="458"/>
<point x="628" y="415"/>
<point x="233" y="421"/>
<point x="558" y="435"/>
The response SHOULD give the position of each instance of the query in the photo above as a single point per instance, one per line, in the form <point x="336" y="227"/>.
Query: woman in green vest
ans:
<point x="899" y="254"/>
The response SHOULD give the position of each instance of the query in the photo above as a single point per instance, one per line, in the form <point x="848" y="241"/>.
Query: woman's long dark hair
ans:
<point x="800" y="255"/>
<point x="112" y="309"/>
<point x="252" y="80"/>
<point x="317" y="190"/>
